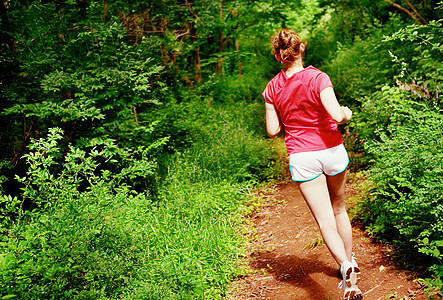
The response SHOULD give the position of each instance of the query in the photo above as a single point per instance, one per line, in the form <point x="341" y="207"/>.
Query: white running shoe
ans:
<point x="349" y="274"/>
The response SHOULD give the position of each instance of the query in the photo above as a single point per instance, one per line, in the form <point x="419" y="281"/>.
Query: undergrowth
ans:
<point x="400" y="128"/>
<point x="81" y="230"/>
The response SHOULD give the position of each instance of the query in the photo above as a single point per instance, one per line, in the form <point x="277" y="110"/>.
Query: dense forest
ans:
<point x="132" y="133"/>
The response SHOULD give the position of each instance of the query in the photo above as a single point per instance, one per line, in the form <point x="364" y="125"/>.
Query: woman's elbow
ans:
<point x="273" y="125"/>
<point x="272" y="136"/>
<point x="272" y="133"/>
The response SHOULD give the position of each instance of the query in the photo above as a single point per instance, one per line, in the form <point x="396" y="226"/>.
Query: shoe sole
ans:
<point x="352" y="276"/>
<point x="353" y="295"/>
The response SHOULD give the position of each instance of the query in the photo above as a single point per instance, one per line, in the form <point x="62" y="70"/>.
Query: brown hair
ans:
<point x="286" y="43"/>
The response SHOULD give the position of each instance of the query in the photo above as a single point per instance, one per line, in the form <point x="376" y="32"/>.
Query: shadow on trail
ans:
<point x="297" y="271"/>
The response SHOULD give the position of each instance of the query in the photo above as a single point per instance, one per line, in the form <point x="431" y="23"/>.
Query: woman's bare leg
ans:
<point x="316" y="194"/>
<point x="336" y="187"/>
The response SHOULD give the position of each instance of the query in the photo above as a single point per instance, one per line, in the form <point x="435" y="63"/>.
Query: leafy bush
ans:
<point x="108" y="88"/>
<point x="73" y="233"/>
<point x="83" y="231"/>
<point x="81" y="74"/>
<point x="407" y="170"/>
<point x="418" y="60"/>
<point x="401" y="128"/>
<point x="359" y="68"/>
<point x="88" y="235"/>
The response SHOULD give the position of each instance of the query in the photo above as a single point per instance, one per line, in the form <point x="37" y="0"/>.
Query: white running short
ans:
<point x="305" y="166"/>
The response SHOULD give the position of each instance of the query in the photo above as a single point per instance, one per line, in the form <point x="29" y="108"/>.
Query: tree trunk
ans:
<point x="196" y="55"/>
<point x="134" y="110"/>
<point x="240" y="63"/>
<point x="24" y="143"/>
<point x="220" y="43"/>
<point x="105" y="9"/>
<point x="416" y="12"/>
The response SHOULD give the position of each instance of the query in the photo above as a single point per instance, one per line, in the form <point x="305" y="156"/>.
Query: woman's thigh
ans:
<point x="316" y="195"/>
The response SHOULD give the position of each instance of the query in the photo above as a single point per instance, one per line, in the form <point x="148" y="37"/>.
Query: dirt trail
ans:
<point x="290" y="262"/>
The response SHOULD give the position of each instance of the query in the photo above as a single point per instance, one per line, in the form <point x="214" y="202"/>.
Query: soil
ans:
<point x="288" y="259"/>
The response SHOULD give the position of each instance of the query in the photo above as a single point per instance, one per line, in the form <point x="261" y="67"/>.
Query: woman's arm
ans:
<point x="272" y="121"/>
<point x="340" y="114"/>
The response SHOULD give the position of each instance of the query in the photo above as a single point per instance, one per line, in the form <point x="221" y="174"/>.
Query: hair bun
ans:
<point x="286" y="43"/>
<point x="284" y="40"/>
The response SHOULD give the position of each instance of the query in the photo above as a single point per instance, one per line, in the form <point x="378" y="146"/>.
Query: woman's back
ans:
<point x="308" y="126"/>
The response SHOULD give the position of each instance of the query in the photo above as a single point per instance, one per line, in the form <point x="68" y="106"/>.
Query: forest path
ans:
<point x="288" y="262"/>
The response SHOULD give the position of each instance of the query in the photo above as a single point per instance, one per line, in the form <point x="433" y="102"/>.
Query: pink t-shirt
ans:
<point x="296" y="99"/>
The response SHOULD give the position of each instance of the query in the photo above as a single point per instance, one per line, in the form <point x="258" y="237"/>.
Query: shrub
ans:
<point x="75" y="233"/>
<point x="401" y="129"/>
<point x="417" y="57"/>
<point x="83" y="231"/>
<point x="404" y="146"/>
<point x="359" y="68"/>
<point x="225" y="140"/>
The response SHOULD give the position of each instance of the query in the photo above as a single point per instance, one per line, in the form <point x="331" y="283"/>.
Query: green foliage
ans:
<point x="358" y="69"/>
<point x="402" y="129"/>
<point x="76" y="221"/>
<point x="226" y="139"/>
<point x="4" y="166"/>
<point x="89" y="234"/>
<point x="108" y="85"/>
<point x="407" y="163"/>
<point x="80" y="74"/>
<point x="353" y="41"/>
<point x="177" y="87"/>
<point x="82" y="230"/>
<point x="419" y="60"/>
<point x="210" y="176"/>
<point x="407" y="168"/>
<point x="97" y="220"/>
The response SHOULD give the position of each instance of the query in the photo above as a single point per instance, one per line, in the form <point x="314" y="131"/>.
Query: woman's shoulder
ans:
<point x="316" y="79"/>
<point x="311" y="70"/>
<point x="313" y="75"/>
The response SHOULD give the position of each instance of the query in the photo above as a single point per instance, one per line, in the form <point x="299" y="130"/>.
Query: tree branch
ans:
<point x="105" y="9"/>
<point x="416" y="12"/>
<point x="24" y="143"/>
<point x="409" y="13"/>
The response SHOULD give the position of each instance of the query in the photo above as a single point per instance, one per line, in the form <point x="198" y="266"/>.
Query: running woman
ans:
<point x="302" y="101"/>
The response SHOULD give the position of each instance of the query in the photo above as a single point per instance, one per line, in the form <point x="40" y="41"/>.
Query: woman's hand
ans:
<point x="347" y="112"/>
